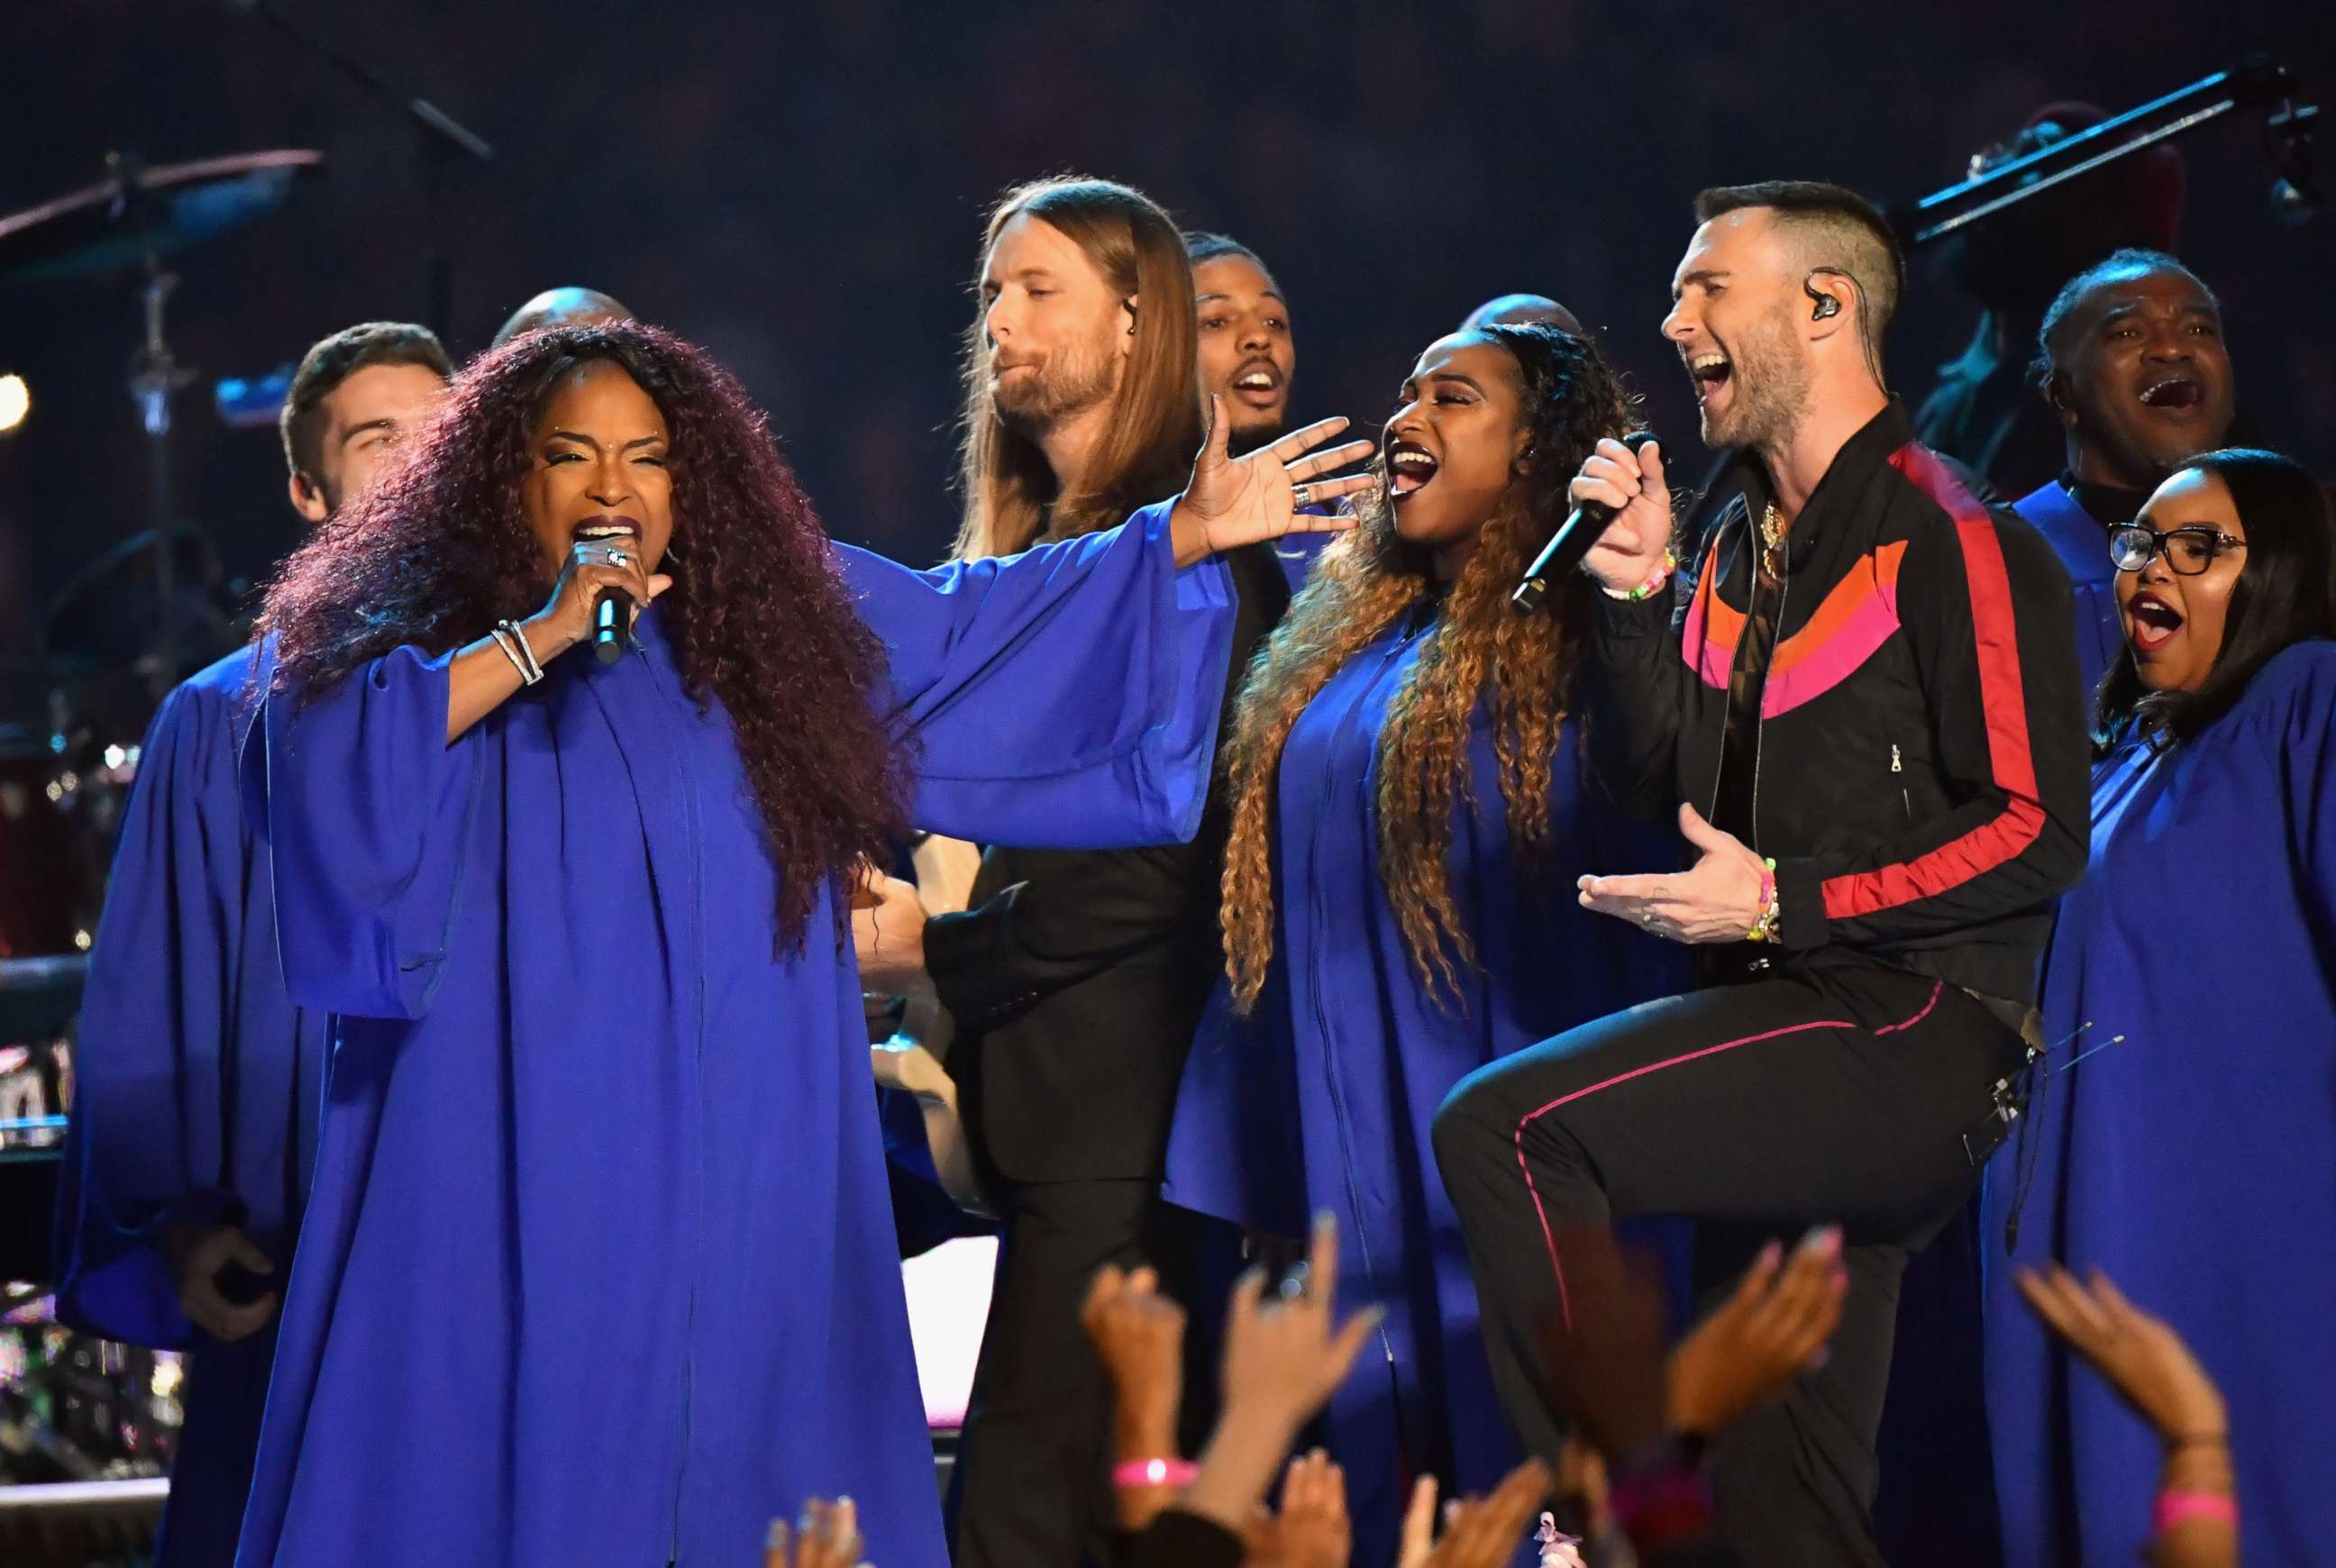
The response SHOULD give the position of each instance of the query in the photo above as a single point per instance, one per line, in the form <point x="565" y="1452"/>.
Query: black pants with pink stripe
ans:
<point x="1829" y="1095"/>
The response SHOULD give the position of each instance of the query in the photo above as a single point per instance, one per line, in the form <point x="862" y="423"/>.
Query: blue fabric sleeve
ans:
<point x="365" y="807"/>
<point x="143" y="1152"/>
<point x="1066" y="697"/>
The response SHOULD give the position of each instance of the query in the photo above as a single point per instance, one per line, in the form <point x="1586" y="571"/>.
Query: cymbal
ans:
<point x="119" y="223"/>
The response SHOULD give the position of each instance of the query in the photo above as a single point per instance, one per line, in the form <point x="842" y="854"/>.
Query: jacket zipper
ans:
<point x="1904" y="799"/>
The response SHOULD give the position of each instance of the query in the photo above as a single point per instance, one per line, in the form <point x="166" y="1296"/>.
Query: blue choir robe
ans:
<point x="597" y="1266"/>
<point x="2195" y="1161"/>
<point x="197" y="1086"/>
<point x="1323" y="1097"/>
<point x="2081" y="541"/>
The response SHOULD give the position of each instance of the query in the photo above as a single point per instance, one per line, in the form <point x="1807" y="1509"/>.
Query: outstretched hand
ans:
<point x="1478" y="1532"/>
<point x="1236" y="501"/>
<point x="1776" y="1324"/>
<point x="826" y="1536"/>
<point x="1716" y="899"/>
<point x="2142" y="1357"/>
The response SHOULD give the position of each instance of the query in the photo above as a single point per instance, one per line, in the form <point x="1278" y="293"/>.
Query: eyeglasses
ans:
<point x="2189" y="550"/>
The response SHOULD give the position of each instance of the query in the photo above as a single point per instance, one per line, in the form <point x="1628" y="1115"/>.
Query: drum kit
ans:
<point x="126" y="629"/>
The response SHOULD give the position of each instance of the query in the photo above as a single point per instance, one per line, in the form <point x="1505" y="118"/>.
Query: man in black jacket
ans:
<point x="1863" y="690"/>
<point x="1075" y="979"/>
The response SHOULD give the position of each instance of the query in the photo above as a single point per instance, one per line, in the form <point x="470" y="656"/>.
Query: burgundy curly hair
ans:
<point x="440" y="550"/>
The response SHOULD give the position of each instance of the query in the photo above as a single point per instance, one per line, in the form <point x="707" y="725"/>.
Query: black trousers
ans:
<point x="1837" y="1096"/>
<point x="1032" y="1486"/>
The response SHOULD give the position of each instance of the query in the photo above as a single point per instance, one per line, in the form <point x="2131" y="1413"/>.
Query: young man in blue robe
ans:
<point x="194" y="1116"/>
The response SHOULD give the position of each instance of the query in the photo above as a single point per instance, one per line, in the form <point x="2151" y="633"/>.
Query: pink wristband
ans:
<point x="1154" y="1472"/>
<point x="2174" y="1507"/>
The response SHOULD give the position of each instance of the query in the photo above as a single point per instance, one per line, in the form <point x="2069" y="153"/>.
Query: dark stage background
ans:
<point x="800" y="187"/>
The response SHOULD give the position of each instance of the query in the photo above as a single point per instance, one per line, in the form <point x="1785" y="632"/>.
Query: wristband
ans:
<point x="1772" y="909"/>
<point x="2176" y="1507"/>
<point x="1662" y="575"/>
<point x="1138" y="1473"/>
<point x="1661" y="1509"/>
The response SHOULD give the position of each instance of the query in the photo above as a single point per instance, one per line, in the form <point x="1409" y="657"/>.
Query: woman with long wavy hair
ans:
<point x="1408" y="821"/>
<point x="597" y="1266"/>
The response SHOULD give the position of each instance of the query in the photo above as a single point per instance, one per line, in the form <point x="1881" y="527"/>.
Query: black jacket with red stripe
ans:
<point x="1922" y="773"/>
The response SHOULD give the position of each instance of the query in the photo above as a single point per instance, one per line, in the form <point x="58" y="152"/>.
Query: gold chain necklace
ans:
<point x="1772" y="535"/>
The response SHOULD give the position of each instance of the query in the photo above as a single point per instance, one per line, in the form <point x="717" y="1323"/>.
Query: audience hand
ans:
<point x="1606" y="1371"/>
<point x="196" y="1255"/>
<point x="1139" y="1336"/>
<point x="1777" y="1323"/>
<point x="1312" y="1529"/>
<point x="2143" y="1359"/>
<point x="826" y="1536"/>
<point x="1282" y="1362"/>
<point x="1281" y="1359"/>
<point x="1479" y="1532"/>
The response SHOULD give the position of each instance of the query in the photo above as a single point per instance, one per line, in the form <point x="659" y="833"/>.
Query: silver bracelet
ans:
<point x="520" y="637"/>
<point x="515" y="649"/>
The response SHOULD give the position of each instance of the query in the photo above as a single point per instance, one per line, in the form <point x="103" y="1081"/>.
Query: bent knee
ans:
<point x="1470" y="1118"/>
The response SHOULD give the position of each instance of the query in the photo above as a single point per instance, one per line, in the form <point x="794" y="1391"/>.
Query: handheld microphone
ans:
<point x="1571" y="542"/>
<point x="612" y="619"/>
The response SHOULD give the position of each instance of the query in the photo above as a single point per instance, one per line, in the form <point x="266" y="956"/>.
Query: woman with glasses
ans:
<point x="2194" y="1157"/>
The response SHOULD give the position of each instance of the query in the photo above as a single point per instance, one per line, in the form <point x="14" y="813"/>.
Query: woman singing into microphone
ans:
<point x="1408" y="819"/>
<point x="597" y="1266"/>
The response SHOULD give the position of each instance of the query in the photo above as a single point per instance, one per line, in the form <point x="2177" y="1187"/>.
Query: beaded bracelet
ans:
<point x="1662" y="575"/>
<point x="1772" y="909"/>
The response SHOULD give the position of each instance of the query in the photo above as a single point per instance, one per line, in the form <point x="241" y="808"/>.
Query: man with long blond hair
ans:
<point x="1075" y="979"/>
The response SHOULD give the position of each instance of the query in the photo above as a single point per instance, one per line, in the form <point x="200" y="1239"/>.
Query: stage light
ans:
<point x="15" y="402"/>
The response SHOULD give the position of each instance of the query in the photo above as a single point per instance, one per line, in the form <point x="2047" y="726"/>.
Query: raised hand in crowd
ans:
<point x="1312" y="1529"/>
<point x="826" y="1536"/>
<point x="1478" y="1532"/>
<point x="1777" y="1323"/>
<point x="1606" y="1366"/>
<point x="198" y="1256"/>
<point x="2155" y="1373"/>
<point x="1138" y="1335"/>
<point x="1282" y="1360"/>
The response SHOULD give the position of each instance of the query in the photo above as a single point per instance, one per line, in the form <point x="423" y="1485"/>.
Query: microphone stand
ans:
<point x="440" y="140"/>
<point x="2255" y="82"/>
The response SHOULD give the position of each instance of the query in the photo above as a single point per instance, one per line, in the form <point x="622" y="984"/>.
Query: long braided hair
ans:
<point x="1480" y="652"/>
